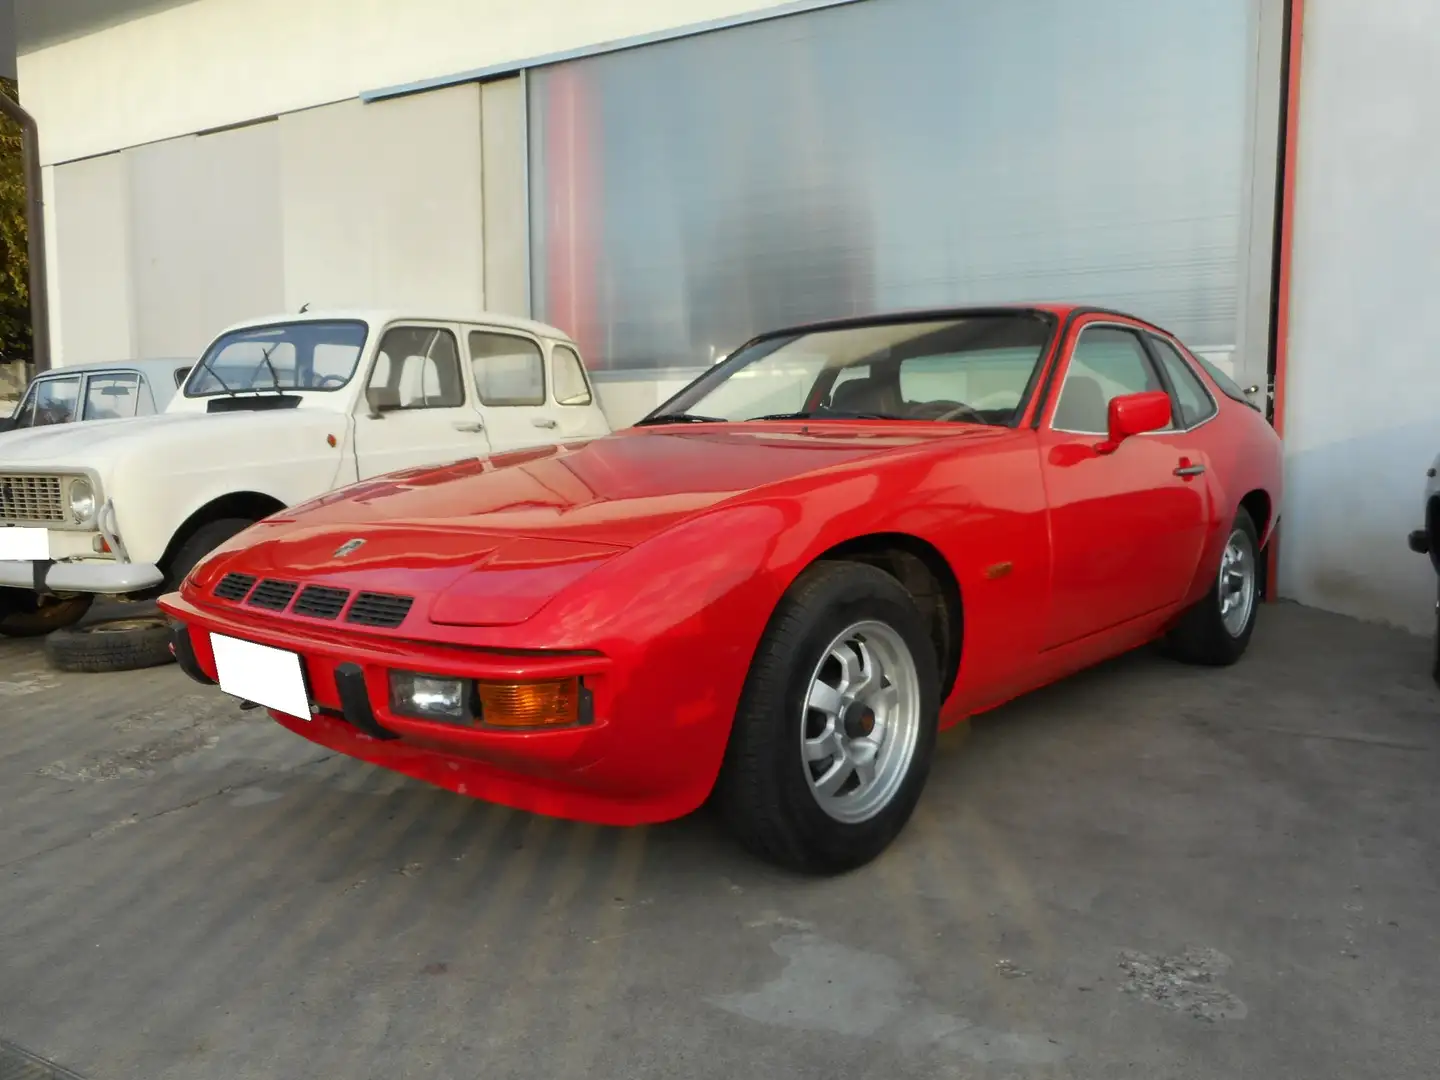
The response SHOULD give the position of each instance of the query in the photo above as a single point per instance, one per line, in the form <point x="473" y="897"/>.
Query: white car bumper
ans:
<point x="105" y="577"/>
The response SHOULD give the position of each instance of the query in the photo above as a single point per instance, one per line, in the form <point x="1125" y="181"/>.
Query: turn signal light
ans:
<point x="553" y="703"/>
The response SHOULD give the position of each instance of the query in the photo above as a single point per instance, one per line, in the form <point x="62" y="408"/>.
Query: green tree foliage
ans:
<point x="14" y="259"/>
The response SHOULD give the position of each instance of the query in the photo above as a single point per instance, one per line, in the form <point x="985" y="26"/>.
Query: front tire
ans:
<point x="834" y="736"/>
<point x="1216" y="631"/>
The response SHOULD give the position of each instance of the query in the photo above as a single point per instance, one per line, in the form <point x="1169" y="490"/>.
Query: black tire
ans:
<point x="113" y="645"/>
<point x="1435" y="640"/>
<point x="200" y="543"/>
<point x="763" y="791"/>
<point x="23" y="614"/>
<point x="1201" y="637"/>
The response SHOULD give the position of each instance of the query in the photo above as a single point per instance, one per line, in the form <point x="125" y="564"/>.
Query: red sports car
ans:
<point x="776" y="587"/>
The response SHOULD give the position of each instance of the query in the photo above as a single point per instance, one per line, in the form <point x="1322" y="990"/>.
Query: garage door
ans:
<point x="900" y="153"/>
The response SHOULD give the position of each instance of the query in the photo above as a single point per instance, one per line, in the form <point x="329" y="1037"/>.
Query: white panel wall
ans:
<point x="1362" y="407"/>
<point x="217" y="62"/>
<point x="92" y="244"/>
<point x="382" y="203"/>
<point x="507" y="225"/>
<point x="204" y="236"/>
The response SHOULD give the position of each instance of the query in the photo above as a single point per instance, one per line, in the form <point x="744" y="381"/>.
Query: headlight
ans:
<point x="430" y="697"/>
<point x="82" y="501"/>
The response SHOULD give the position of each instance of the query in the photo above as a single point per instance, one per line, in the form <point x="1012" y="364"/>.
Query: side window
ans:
<point x="508" y="370"/>
<point x="1105" y="363"/>
<point x="55" y="401"/>
<point x="111" y="397"/>
<point x="568" y="375"/>
<point x="1195" y="402"/>
<point x="180" y="373"/>
<point x="417" y="367"/>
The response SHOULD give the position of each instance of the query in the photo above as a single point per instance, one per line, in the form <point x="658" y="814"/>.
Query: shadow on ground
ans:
<point x="1148" y="870"/>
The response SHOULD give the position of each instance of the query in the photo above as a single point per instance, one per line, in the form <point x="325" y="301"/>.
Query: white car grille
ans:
<point x="27" y="498"/>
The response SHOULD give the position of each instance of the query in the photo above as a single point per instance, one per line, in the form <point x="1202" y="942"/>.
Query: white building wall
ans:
<point x="1362" y="404"/>
<point x="217" y="62"/>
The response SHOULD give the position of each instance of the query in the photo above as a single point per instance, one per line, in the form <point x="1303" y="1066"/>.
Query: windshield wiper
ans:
<point x="205" y="366"/>
<point x="821" y="414"/>
<point x="274" y="375"/>
<point x="680" y="418"/>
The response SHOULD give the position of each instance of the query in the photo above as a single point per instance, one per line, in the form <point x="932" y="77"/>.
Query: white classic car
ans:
<point x="275" y="412"/>
<point x="78" y="393"/>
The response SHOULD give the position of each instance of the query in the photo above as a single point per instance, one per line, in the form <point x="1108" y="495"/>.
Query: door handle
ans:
<point x="1190" y="470"/>
<point x="467" y="426"/>
<point x="542" y="421"/>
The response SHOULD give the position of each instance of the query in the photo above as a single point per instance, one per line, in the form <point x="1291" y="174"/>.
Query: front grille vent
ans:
<point x="320" y="602"/>
<point x="383" y="610"/>
<point x="24" y="497"/>
<point x="273" y="595"/>
<point x="235" y="586"/>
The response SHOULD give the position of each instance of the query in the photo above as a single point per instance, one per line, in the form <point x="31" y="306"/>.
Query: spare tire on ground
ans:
<point x="113" y="645"/>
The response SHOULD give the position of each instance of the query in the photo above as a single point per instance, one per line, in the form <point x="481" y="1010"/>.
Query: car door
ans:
<point x="417" y="408"/>
<point x="507" y="373"/>
<point x="1127" y="526"/>
<point x="576" y="409"/>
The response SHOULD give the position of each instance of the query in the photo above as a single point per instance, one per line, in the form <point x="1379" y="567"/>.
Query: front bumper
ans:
<point x="103" y="577"/>
<point x="597" y="771"/>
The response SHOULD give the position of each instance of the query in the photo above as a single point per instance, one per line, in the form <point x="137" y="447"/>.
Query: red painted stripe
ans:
<point x="1287" y="244"/>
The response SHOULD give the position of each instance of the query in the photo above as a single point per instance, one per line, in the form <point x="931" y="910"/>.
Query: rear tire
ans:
<point x="784" y="788"/>
<point x="113" y="645"/>
<point x="23" y="614"/>
<point x="1216" y="631"/>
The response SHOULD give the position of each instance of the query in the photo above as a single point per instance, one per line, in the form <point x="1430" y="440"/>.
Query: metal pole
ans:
<point x="35" y="232"/>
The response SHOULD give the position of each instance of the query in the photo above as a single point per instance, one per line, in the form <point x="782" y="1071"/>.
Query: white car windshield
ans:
<point x="305" y="355"/>
<point x="972" y="368"/>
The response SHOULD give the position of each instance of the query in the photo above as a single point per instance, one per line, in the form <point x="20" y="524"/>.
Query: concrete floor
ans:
<point x="1148" y="871"/>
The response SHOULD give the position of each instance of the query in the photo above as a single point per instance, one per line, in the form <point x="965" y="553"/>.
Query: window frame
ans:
<point x="140" y="386"/>
<point x="1175" y="406"/>
<point x="1135" y="331"/>
<point x="573" y="350"/>
<point x="419" y="324"/>
<point x="79" y="378"/>
<point x="519" y="335"/>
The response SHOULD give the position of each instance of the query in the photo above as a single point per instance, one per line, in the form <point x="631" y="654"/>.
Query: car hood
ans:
<point x="487" y="542"/>
<point x="99" y="444"/>
<point x="621" y="489"/>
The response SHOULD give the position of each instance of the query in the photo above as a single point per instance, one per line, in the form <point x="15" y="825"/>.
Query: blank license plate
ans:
<point x="24" y="544"/>
<point x="258" y="673"/>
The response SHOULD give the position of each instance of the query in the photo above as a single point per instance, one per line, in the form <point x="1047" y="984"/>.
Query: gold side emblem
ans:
<point x="999" y="570"/>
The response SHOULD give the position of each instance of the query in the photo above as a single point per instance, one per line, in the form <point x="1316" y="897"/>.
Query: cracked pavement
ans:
<point x="1147" y="870"/>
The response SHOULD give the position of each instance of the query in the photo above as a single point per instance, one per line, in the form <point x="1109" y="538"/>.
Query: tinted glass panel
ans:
<point x="111" y="397"/>
<point x="417" y="367"/>
<point x="55" y="401"/>
<point x="1106" y="363"/>
<point x="914" y="153"/>
<point x="570" y="385"/>
<point x="508" y="370"/>
<point x="1195" y="403"/>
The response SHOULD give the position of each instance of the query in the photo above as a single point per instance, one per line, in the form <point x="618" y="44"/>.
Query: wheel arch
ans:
<point x="1258" y="504"/>
<point x="927" y="576"/>
<point x="253" y="505"/>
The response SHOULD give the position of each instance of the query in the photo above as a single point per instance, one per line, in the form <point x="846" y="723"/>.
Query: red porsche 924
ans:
<point x="775" y="588"/>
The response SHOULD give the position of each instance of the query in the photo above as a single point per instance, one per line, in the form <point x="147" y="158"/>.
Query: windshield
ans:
<point x="974" y="369"/>
<point x="283" y="356"/>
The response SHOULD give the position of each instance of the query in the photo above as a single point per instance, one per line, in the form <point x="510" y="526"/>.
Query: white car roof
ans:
<point x="154" y="364"/>
<point x="380" y="316"/>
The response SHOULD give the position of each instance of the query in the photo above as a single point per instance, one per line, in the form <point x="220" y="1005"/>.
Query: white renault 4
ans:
<point x="276" y="411"/>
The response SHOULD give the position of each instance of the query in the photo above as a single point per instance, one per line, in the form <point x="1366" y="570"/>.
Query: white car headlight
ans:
<point x="82" y="500"/>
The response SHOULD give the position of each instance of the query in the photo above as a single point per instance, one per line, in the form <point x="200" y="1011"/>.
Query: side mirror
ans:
<point x="379" y="401"/>
<point x="1135" y="414"/>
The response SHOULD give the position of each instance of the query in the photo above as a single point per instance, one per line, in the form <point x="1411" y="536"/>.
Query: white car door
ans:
<point x="418" y="408"/>
<point x="507" y="370"/>
<point x="578" y="412"/>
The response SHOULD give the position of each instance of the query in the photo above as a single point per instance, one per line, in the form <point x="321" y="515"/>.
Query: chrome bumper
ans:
<point x="87" y="576"/>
